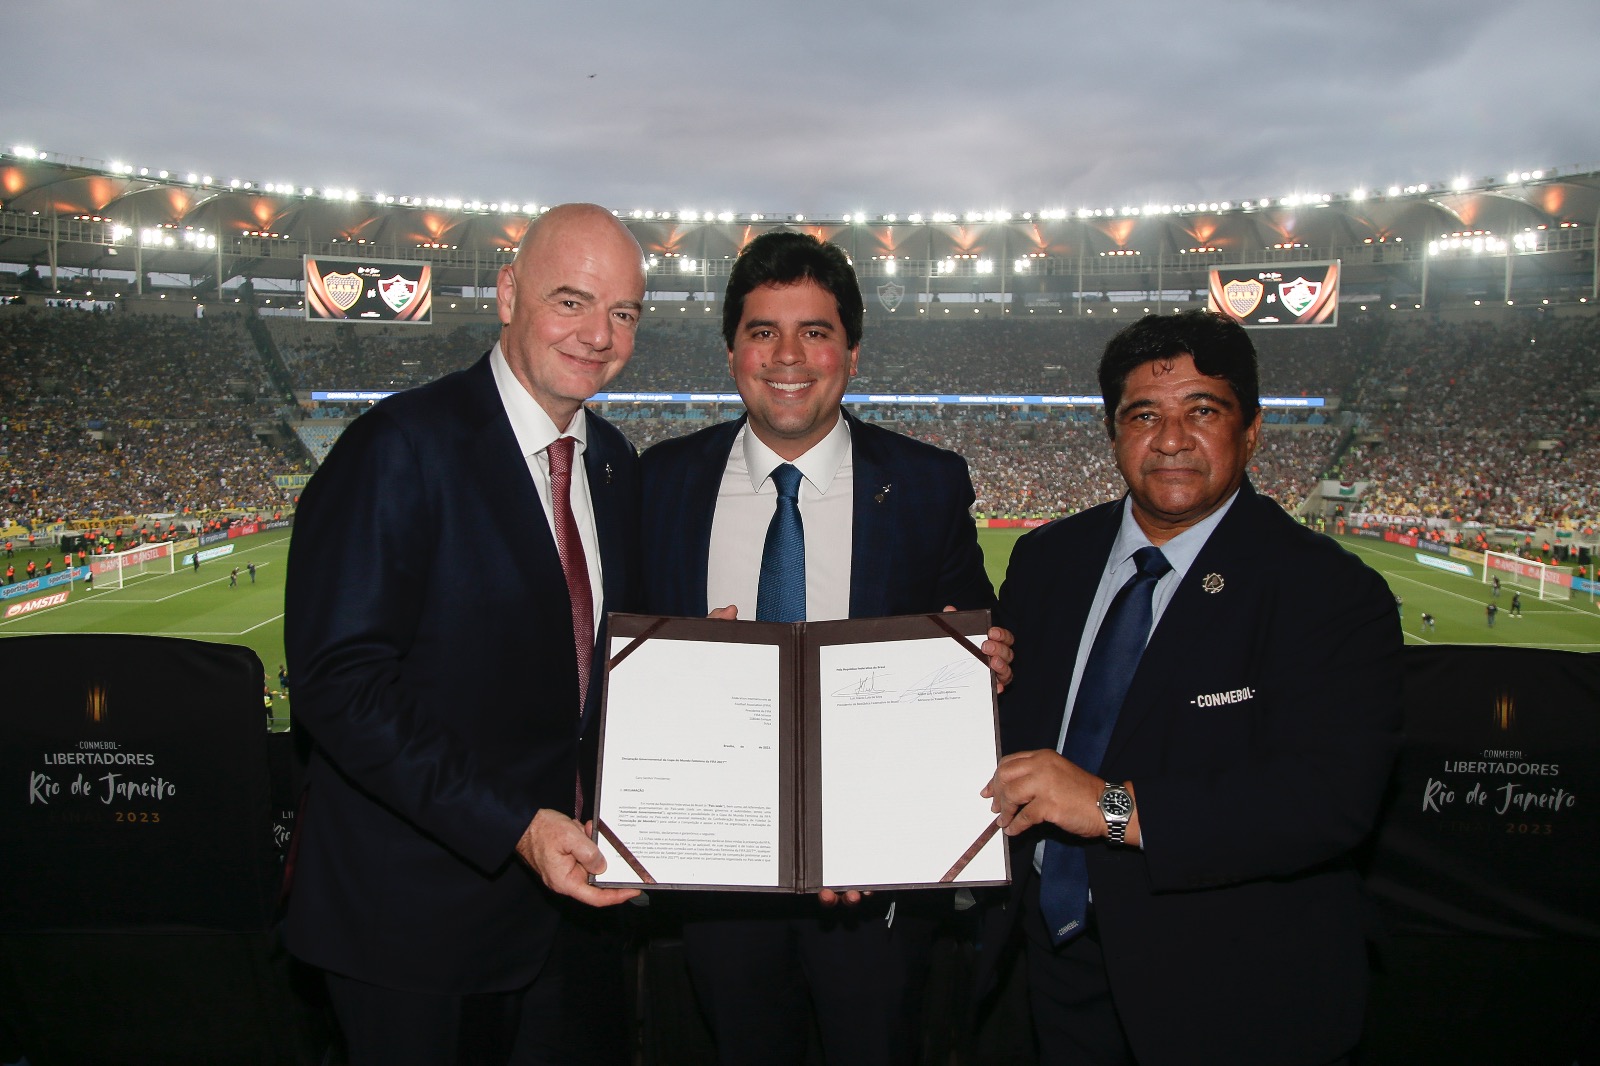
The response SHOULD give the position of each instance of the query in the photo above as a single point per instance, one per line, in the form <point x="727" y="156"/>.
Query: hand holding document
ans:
<point x="761" y="756"/>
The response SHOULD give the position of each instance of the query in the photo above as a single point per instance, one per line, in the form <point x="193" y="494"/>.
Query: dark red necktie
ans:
<point x="573" y="563"/>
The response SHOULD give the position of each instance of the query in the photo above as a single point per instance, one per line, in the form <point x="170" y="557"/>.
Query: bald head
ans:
<point x="586" y="222"/>
<point x="569" y="306"/>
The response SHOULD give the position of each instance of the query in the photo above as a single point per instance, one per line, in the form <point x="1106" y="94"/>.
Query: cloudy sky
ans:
<point x="823" y="107"/>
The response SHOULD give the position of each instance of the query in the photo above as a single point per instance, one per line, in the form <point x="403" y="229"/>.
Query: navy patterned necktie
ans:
<point x="781" y="596"/>
<point x="1063" y="874"/>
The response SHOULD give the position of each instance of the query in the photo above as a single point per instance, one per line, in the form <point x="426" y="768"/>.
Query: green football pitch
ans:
<point x="197" y="604"/>
<point x="1455" y="601"/>
<point x="203" y="606"/>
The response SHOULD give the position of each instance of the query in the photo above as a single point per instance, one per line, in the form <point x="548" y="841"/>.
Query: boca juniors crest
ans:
<point x="343" y="289"/>
<point x="1243" y="296"/>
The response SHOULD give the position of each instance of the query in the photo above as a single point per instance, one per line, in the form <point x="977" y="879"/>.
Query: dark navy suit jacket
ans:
<point x="429" y="634"/>
<point x="915" y="545"/>
<point x="1258" y="733"/>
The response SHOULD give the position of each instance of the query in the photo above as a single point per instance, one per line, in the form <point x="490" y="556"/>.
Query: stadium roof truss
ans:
<point x="1493" y="240"/>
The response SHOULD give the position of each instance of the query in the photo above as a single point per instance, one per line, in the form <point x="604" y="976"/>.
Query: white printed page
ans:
<point x="907" y="743"/>
<point x="689" y="771"/>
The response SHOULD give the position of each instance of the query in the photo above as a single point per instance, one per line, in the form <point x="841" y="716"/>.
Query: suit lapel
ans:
<point x="702" y="479"/>
<point x="603" y="463"/>
<point x="871" y="550"/>
<point x="1192" y="618"/>
<point x="503" y="471"/>
<point x="1070" y="596"/>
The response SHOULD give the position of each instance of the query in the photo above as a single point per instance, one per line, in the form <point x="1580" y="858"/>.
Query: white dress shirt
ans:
<point x="746" y="501"/>
<point x="536" y="431"/>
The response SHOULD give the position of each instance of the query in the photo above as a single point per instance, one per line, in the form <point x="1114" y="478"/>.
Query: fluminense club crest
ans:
<point x="397" y="292"/>
<point x="1298" y="295"/>
<point x="889" y="294"/>
<point x="343" y="289"/>
<point x="1243" y="297"/>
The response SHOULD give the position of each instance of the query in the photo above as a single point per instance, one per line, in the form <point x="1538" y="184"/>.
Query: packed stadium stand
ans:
<point x="1491" y="420"/>
<point x="108" y="415"/>
<point x="154" y="360"/>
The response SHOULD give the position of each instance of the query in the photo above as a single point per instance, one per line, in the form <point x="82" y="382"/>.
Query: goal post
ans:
<point x="1550" y="582"/>
<point x="113" y="571"/>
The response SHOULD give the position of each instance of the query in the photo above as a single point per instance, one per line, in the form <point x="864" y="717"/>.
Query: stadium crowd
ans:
<point x="1489" y="423"/>
<point x="105" y="414"/>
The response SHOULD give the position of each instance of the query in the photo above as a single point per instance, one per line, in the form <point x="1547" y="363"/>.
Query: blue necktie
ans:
<point x="781" y="596"/>
<point x="1063" y="874"/>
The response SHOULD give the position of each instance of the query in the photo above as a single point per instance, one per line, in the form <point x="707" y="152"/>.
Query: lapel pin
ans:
<point x="882" y="493"/>
<point x="608" y="473"/>
<point x="1212" y="583"/>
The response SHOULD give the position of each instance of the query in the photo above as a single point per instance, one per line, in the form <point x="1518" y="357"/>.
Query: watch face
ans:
<point x="1116" y="803"/>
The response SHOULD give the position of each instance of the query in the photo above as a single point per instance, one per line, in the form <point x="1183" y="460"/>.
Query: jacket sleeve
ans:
<point x="360" y="566"/>
<point x="963" y="581"/>
<point x="1304" y="781"/>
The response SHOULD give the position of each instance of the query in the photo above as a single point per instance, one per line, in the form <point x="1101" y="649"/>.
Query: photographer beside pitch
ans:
<point x="1182" y="875"/>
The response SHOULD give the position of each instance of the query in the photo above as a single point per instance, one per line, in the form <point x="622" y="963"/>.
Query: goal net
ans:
<point x="114" y="571"/>
<point x="1549" y="582"/>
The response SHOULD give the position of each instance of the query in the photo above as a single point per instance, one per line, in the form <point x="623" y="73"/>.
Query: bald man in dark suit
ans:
<point x="451" y="565"/>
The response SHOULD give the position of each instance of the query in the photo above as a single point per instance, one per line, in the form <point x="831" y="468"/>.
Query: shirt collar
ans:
<point x="818" y="465"/>
<point x="535" y="429"/>
<point x="1181" y="551"/>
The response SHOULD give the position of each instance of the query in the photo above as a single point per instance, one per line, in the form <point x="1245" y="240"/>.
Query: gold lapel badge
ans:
<point x="1212" y="583"/>
<point x="882" y="493"/>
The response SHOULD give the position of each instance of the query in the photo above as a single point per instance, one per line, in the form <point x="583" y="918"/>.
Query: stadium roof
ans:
<point x="82" y="215"/>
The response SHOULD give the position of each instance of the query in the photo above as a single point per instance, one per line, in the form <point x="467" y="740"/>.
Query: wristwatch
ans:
<point x="1116" y="806"/>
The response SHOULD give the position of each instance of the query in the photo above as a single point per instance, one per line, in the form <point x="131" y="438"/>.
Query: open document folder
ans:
<point x="769" y="756"/>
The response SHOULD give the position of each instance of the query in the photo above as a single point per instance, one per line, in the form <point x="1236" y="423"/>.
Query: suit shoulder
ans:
<point x="605" y="435"/>
<point x="1063" y="532"/>
<point x="666" y="454"/>
<point x="463" y="392"/>
<point x="1315" y="558"/>
<point x="899" y="446"/>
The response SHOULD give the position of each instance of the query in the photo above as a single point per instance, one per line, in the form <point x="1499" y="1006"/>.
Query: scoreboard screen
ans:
<point x="1277" y="294"/>
<point x="367" y="290"/>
